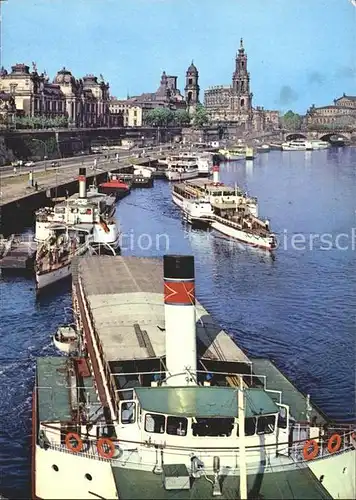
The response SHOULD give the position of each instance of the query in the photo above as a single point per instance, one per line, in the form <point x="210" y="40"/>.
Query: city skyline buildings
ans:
<point x="292" y="68"/>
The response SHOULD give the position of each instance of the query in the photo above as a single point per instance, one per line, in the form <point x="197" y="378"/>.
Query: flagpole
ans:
<point x="242" y="449"/>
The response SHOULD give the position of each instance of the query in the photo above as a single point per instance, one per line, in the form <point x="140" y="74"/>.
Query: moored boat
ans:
<point x="142" y="176"/>
<point x="297" y="145"/>
<point x="66" y="339"/>
<point x="83" y="223"/>
<point x="225" y="209"/>
<point x="181" y="172"/>
<point x="115" y="186"/>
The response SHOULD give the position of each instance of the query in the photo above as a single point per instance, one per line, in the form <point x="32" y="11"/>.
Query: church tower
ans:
<point x="192" y="88"/>
<point x="242" y="97"/>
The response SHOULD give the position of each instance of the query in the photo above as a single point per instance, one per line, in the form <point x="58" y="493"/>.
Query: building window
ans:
<point x="242" y="102"/>
<point x="190" y="81"/>
<point x="155" y="423"/>
<point x="177" y="426"/>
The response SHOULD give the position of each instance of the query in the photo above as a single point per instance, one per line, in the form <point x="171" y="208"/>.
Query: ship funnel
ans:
<point x="179" y="310"/>
<point x="216" y="170"/>
<point x="82" y="183"/>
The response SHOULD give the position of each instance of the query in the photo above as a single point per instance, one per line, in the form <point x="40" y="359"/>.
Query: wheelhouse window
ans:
<point x="155" y="423"/>
<point x="259" y="425"/>
<point x="177" y="426"/>
<point x="250" y="426"/>
<point x="212" y="426"/>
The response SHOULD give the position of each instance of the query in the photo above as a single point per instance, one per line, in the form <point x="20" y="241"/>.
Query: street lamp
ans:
<point x="45" y="150"/>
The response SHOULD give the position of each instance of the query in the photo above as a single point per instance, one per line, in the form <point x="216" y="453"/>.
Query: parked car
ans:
<point x="30" y="164"/>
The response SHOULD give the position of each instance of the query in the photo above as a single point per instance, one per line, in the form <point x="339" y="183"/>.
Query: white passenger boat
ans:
<point x="297" y="145"/>
<point x="181" y="172"/>
<point x="167" y="406"/>
<point x="82" y="223"/>
<point x="320" y="144"/>
<point x="225" y="209"/>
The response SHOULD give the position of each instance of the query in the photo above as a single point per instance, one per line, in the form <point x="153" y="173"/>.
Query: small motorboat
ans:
<point x="66" y="339"/>
<point x="115" y="186"/>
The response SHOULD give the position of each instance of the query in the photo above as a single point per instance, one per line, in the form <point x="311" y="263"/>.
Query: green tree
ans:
<point x="182" y="117"/>
<point x="292" y="121"/>
<point x="159" y="117"/>
<point x="201" y="117"/>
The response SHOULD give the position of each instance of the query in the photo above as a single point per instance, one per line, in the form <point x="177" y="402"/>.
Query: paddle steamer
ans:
<point x="164" y="404"/>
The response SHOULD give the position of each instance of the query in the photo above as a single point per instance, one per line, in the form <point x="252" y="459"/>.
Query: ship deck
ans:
<point x="125" y="297"/>
<point x="298" y="484"/>
<point x="56" y="401"/>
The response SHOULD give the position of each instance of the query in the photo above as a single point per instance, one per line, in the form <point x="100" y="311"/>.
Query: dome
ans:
<point x="64" y="76"/>
<point x="192" y="69"/>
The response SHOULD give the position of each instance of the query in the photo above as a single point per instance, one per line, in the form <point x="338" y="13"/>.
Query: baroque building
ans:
<point x="83" y="102"/>
<point x="341" y="114"/>
<point x="233" y="103"/>
<point x="133" y="110"/>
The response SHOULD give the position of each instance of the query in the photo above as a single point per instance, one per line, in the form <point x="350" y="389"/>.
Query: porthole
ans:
<point x="55" y="467"/>
<point x="88" y="477"/>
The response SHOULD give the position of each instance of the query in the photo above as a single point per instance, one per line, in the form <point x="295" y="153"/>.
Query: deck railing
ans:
<point x="297" y="452"/>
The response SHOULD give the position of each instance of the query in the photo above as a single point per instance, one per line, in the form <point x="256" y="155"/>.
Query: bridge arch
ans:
<point x="333" y="137"/>
<point x="294" y="136"/>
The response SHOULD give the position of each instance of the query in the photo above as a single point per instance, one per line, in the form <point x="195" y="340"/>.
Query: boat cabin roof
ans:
<point x="204" y="402"/>
<point x="54" y="398"/>
<point x="212" y="187"/>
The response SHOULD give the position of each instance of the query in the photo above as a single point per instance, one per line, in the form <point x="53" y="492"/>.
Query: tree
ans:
<point x="159" y="117"/>
<point x="292" y="121"/>
<point x="201" y="117"/>
<point x="182" y="117"/>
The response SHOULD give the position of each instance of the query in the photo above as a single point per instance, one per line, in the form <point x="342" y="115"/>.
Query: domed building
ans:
<point x="84" y="103"/>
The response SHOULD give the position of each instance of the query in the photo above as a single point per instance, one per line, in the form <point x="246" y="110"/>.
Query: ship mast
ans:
<point x="242" y="449"/>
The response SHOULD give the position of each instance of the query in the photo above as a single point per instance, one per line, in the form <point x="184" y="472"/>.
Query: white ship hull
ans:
<point x="203" y="214"/>
<point x="70" y="481"/>
<point x="234" y="157"/>
<point x="46" y="279"/>
<point x="65" y="347"/>
<point x="179" y="176"/>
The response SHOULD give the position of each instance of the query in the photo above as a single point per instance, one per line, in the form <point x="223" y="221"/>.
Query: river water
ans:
<point x="297" y="308"/>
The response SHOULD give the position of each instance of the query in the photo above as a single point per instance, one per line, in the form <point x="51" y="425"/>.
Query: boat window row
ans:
<point x="208" y="427"/>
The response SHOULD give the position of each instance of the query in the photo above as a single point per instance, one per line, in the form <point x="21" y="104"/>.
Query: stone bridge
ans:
<point x="324" y="135"/>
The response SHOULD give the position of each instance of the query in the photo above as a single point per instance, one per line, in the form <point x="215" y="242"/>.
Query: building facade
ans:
<point x="233" y="103"/>
<point x="342" y="114"/>
<point x="133" y="110"/>
<point x="83" y="102"/>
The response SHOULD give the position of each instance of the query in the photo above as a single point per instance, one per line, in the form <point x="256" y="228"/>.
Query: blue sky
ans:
<point x="300" y="52"/>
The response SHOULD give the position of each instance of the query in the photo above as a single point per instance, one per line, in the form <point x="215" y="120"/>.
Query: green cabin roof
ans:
<point x="53" y="390"/>
<point x="204" y="402"/>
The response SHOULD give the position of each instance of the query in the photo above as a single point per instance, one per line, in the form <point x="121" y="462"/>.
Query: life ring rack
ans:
<point x="334" y="443"/>
<point x="105" y="442"/>
<point x="68" y="442"/>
